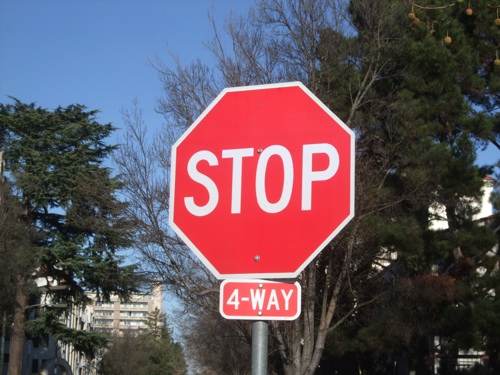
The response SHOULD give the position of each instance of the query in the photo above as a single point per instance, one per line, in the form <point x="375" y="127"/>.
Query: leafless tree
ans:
<point x="144" y="159"/>
<point x="217" y="346"/>
<point x="280" y="40"/>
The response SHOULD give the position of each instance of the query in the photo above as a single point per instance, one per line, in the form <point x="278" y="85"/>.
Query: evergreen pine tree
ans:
<point x="434" y="105"/>
<point x="73" y="221"/>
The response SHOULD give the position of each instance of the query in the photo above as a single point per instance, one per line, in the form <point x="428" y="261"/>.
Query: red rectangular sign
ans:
<point x="253" y="299"/>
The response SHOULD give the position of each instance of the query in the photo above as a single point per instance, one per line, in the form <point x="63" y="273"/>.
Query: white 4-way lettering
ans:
<point x="237" y="155"/>
<point x="258" y="301"/>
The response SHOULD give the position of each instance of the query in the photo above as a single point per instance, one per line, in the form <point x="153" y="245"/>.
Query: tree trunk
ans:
<point x="4" y="326"/>
<point x="18" y="329"/>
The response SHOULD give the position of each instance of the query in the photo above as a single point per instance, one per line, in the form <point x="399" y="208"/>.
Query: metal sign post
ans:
<point x="259" y="348"/>
<point x="268" y="159"/>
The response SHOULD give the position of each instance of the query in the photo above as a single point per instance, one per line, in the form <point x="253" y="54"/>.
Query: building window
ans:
<point x="34" y="366"/>
<point x="135" y="305"/>
<point x="104" y="322"/>
<point x="132" y="322"/>
<point x="104" y="312"/>
<point x="135" y="314"/>
<point x="107" y="330"/>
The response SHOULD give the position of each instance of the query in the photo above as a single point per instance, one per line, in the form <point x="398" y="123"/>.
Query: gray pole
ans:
<point x="259" y="348"/>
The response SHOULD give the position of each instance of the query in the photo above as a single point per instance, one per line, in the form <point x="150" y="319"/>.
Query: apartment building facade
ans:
<point x="48" y="356"/>
<point x="117" y="316"/>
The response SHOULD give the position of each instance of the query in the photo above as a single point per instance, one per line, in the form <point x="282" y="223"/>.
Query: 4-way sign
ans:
<point x="252" y="299"/>
<point x="262" y="181"/>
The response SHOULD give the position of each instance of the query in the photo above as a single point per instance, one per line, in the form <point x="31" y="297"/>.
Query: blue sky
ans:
<point x="96" y="52"/>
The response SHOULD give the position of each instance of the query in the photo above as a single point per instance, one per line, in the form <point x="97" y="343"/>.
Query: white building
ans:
<point x="45" y="355"/>
<point x="114" y="317"/>
<point x="437" y="212"/>
<point x="118" y="316"/>
<point x="467" y="359"/>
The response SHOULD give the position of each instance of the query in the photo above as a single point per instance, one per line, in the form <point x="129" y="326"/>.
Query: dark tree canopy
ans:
<point x="431" y="109"/>
<point x="62" y="202"/>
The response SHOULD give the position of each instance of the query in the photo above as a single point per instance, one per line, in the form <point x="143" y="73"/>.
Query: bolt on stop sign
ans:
<point x="262" y="181"/>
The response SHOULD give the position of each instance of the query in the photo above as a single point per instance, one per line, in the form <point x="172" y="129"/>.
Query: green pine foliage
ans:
<point x="13" y="234"/>
<point x="67" y="207"/>
<point x="434" y="105"/>
<point x="49" y="323"/>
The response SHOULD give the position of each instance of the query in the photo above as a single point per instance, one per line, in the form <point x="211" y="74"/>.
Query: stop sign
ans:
<point x="262" y="181"/>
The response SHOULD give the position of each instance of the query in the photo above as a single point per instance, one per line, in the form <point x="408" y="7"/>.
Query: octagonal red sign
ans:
<point x="262" y="181"/>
